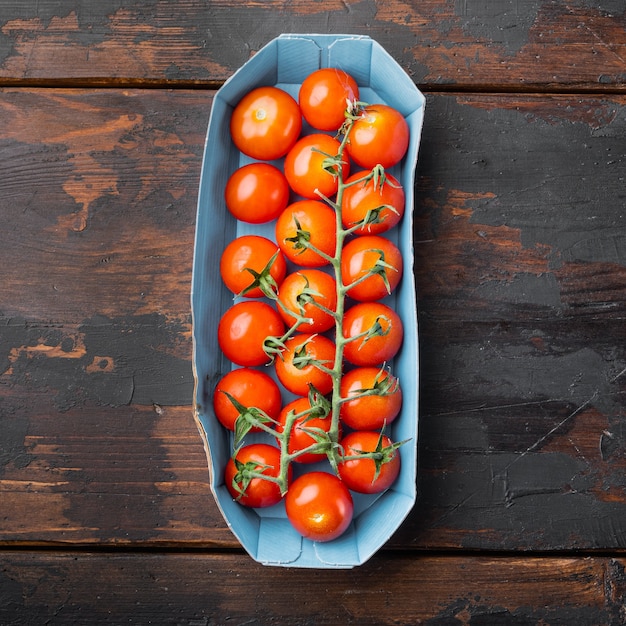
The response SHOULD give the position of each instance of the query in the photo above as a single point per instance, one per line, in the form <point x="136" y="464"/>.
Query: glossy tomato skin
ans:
<point x="379" y="137"/>
<point x="303" y="166"/>
<point x="360" y="256"/>
<point x="251" y="388"/>
<point x="360" y="474"/>
<point x="266" y="123"/>
<point x="319" y="506"/>
<point x="254" y="252"/>
<point x="317" y="222"/>
<point x="243" y="328"/>
<point x="296" y="378"/>
<point x="299" y="438"/>
<point x="256" y="193"/>
<point x="360" y="198"/>
<point x="370" y="412"/>
<point x="301" y="292"/>
<point x="377" y="349"/>
<point x="323" y="96"/>
<point x="259" y="493"/>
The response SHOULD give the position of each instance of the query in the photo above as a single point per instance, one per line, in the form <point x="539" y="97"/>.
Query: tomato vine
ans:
<point x="325" y="404"/>
<point x="327" y="442"/>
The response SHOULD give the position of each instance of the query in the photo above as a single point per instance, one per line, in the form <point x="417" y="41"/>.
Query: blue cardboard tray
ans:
<point x="267" y="534"/>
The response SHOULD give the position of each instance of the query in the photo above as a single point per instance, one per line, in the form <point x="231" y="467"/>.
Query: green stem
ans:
<point x="340" y="341"/>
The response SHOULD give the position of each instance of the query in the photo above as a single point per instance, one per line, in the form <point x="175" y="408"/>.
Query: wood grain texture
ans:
<point x="99" y="188"/>
<point x="469" y="44"/>
<point x="197" y="589"/>
<point x="520" y="270"/>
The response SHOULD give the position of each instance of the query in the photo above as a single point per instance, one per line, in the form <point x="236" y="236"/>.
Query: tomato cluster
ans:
<point x="309" y="330"/>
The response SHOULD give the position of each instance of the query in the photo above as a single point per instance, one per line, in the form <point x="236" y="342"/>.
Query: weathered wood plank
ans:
<point x="521" y="267"/>
<point x="106" y="475"/>
<point x="465" y="45"/>
<point x="521" y="282"/>
<point x="63" y="588"/>
<point x="99" y="198"/>
<point x="99" y="188"/>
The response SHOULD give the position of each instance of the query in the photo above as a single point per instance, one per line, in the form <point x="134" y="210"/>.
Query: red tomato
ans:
<point x="266" y="123"/>
<point x="299" y="438"/>
<point x="380" y="330"/>
<point x="367" y="475"/>
<point x="256" y="193"/>
<point x="373" y="411"/>
<point x="319" y="506"/>
<point x="253" y="491"/>
<point x="243" y="329"/>
<point x="304" y="166"/>
<point x="323" y="96"/>
<point x="295" y="369"/>
<point x="307" y="223"/>
<point x="362" y="202"/>
<point x="251" y="252"/>
<point x="309" y="293"/>
<point x="374" y="261"/>
<point x="380" y="136"/>
<point x="251" y="388"/>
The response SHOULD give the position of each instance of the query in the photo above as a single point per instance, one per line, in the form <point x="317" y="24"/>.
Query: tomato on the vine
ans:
<point x="256" y="193"/>
<point x="309" y="293"/>
<point x="380" y="136"/>
<point x="249" y="387"/>
<point x="266" y="123"/>
<point x="297" y="366"/>
<point x="243" y="329"/>
<point x="323" y="95"/>
<point x="369" y="475"/>
<point x="377" y="398"/>
<point x="373" y="261"/>
<point x="376" y="333"/>
<point x="319" y="506"/>
<point x="377" y="205"/>
<point x="252" y="252"/>
<point x="308" y="429"/>
<point x="250" y="490"/>
<point x="305" y="168"/>
<point x="304" y="228"/>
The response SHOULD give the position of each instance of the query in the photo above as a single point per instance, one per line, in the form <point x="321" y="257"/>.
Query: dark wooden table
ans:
<point x="520" y="228"/>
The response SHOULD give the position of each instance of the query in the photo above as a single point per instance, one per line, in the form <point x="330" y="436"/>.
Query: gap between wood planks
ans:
<point x="213" y="85"/>
<point x="390" y="552"/>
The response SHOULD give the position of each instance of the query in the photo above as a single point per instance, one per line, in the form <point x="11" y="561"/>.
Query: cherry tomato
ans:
<point x="242" y="331"/>
<point x="304" y="166"/>
<point x="299" y="438"/>
<point x="319" y="506"/>
<point x="374" y="261"/>
<point x="379" y="137"/>
<point x="251" y="388"/>
<point x="303" y="223"/>
<point x="382" y="332"/>
<point x="253" y="491"/>
<point x="323" y="96"/>
<point x="253" y="252"/>
<point x="373" y="411"/>
<point x="362" y="202"/>
<point x="256" y="193"/>
<point x="266" y="123"/>
<point x="295" y="369"/>
<point x="362" y="474"/>
<point x="310" y="293"/>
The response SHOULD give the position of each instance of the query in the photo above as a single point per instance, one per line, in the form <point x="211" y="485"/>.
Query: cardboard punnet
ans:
<point x="284" y="62"/>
